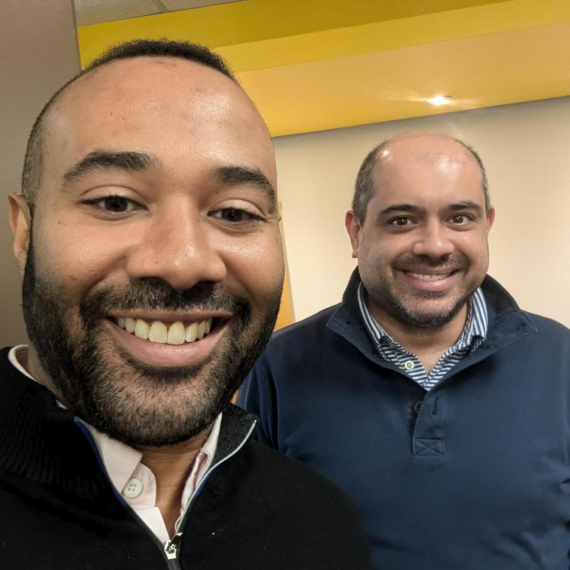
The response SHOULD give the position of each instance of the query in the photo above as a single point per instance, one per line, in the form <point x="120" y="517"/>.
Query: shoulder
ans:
<point x="294" y="485"/>
<point x="549" y="327"/>
<point x="293" y="342"/>
<point x="300" y="518"/>
<point x="297" y="493"/>
<point x="299" y="347"/>
<point x="298" y="477"/>
<point x="315" y="324"/>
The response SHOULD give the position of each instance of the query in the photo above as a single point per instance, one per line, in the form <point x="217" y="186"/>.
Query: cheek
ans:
<point x="257" y="266"/>
<point x="475" y="248"/>
<point x="380" y="251"/>
<point x="76" y="256"/>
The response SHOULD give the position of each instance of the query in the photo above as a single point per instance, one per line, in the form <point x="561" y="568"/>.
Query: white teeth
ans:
<point x="176" y="333"/>
<point x="192" y="332"/>
<point x="141" y="329"/>
<point x="161" y="333"/>
<point x="429" y="277"/>
<point x="158" y="332"/>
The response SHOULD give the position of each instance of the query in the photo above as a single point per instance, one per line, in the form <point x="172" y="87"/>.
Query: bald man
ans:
<point x="147" y="234"/>
<point x="440" y="407"/>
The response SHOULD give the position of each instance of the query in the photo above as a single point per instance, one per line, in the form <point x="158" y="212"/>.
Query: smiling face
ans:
<point x="422" y="250"/>
<point x="156" y="269"/>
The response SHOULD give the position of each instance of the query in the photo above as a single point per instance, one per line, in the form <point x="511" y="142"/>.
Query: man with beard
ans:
<point x="148" y="238"/>
<point x="427" y="395"/>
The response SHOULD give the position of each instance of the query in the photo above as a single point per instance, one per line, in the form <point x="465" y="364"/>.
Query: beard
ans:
<point x="133" y="402"/>
<point x="405" y="307"/>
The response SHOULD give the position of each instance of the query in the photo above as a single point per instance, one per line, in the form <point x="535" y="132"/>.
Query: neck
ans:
<point x="171" y="466"/>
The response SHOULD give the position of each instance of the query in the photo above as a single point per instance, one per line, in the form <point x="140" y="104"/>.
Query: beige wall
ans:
<point x="526" y="149"/>
<point x="39" y="53"/>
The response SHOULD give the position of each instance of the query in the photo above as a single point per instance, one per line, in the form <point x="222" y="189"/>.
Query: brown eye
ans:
<point x="111" y="205"/>
<point x="232" y="215"/>
<point x="400" y="222"/>
<point x="237" y="216"/>
<point x="115" y="204"/>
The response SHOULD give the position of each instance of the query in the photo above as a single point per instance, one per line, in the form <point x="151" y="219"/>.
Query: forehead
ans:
<point x="429" y="169"/>
<point x="166" y="106"/>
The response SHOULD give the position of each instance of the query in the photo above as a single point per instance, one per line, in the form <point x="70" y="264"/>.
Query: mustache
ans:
<point x="153" y="293"/>
<point x="450" y="262"/>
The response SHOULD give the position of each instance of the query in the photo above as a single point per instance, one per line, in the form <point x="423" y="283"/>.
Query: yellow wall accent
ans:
<point x="285" y="317"/>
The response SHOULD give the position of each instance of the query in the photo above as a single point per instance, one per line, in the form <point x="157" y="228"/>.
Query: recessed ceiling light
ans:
<point x="439" y="100"/>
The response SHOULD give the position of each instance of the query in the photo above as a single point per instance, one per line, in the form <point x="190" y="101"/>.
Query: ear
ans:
<point x="490" y="218"/>
<point x="353" y="228"/>
<point x="21" y="223"/>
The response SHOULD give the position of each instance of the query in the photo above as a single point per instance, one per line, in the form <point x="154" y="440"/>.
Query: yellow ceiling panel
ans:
<point x="259" y="20"/>
<point x="494" y="69"/>
<point x="321" y="64"/>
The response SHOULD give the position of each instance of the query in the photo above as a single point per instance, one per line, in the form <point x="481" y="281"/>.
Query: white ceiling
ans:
<point x="98" y="11"/>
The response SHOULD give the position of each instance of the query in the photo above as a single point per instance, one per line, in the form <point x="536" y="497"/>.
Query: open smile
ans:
<point x="166" y="342"/>
<point x="175" y="333"/>
<point x="431" y="281"/>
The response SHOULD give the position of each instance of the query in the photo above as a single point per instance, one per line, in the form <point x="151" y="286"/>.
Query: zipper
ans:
<point x="171" y="551"/>
<point x="170" y="547"/>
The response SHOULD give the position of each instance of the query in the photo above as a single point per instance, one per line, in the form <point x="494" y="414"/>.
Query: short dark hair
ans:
<point x="364" y="187"/>
<point x="34" y="159"/>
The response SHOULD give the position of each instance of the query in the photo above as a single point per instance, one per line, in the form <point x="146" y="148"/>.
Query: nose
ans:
<point x="178" y="247"/>
<point x="433" y="241"/>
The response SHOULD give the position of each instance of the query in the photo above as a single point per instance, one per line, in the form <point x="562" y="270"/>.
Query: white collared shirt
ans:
<point x="134" y="481"/>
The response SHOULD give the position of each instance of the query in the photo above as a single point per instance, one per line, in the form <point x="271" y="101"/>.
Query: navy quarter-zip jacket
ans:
<point x="472" y="475"/>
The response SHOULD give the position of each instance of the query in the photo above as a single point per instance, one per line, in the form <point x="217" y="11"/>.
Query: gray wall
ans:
<point x="38" y="43"/>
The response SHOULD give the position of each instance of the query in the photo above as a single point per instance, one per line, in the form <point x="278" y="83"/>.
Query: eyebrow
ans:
<point x="400" y="208"/>
<point x="237" y="175"/>
<point x="98" y="160"/>
<point x="410" y="208"/>
<point x="466" y="205"/>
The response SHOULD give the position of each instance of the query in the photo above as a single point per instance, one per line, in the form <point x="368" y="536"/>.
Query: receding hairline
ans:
<point x="465" y="150"/>
<point x="32" y="176"/>
<point x="365" y="186"/>
<point x="90" y="74"/>
<point x="467" y="154"/>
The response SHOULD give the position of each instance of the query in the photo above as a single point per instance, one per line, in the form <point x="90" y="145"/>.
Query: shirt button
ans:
<point x="133" y="488"/>
<point x="409" y="365"/>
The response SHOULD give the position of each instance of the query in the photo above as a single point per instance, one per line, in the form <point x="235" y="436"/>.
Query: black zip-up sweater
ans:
<point x="257" y="510"/>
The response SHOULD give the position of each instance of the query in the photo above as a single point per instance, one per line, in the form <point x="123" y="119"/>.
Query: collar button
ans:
<point x="133" y="488"/>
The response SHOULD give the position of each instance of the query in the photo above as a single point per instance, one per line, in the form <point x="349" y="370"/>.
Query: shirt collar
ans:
<point x="473" y="334"/>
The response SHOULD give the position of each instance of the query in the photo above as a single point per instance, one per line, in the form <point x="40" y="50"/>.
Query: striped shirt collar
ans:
<point x="473" y="335"/>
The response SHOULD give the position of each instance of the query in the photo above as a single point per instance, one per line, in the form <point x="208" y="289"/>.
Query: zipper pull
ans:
<point x="171" y="546"/>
